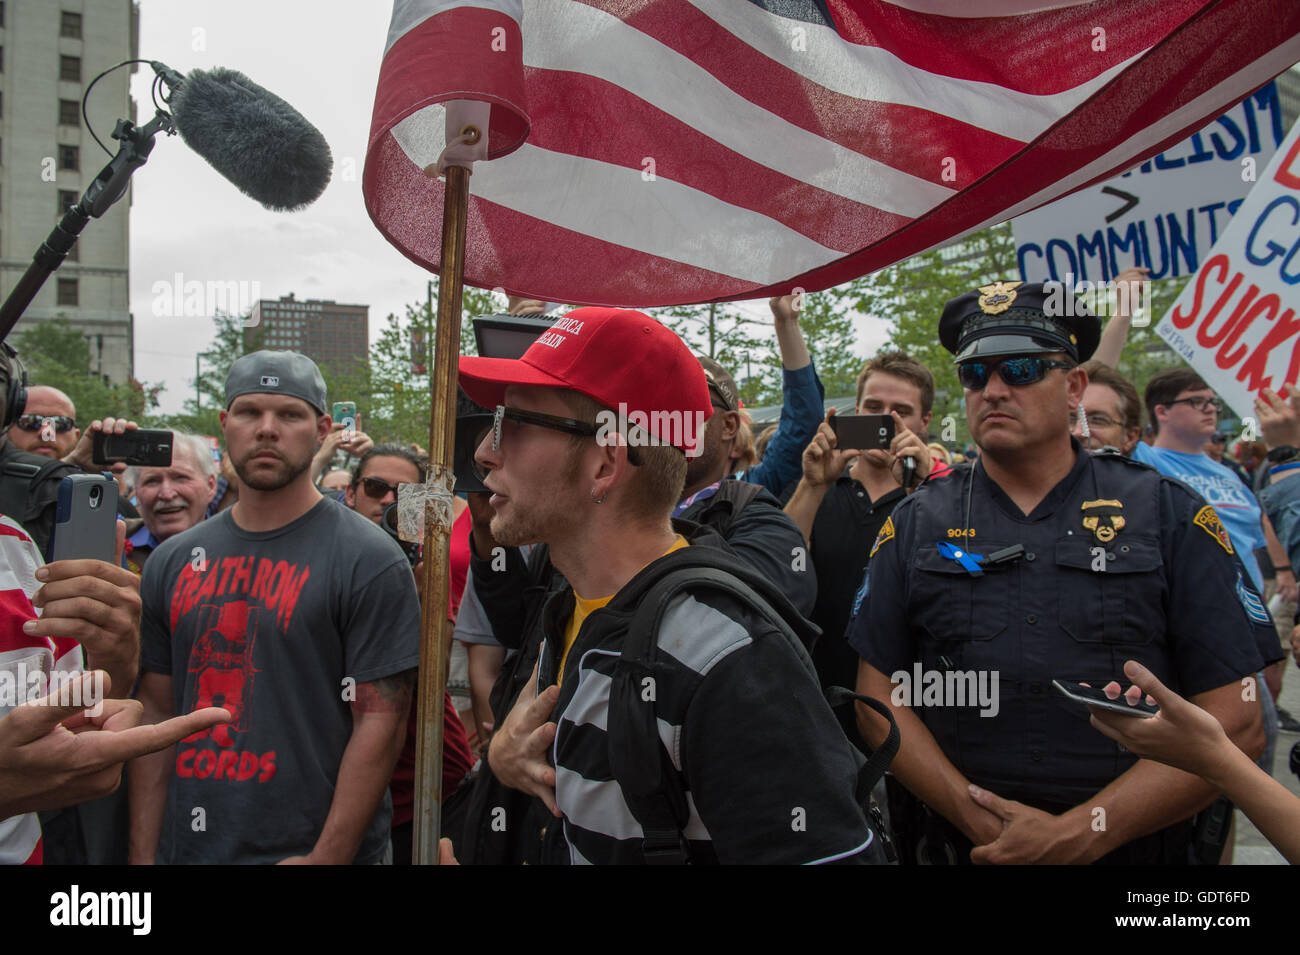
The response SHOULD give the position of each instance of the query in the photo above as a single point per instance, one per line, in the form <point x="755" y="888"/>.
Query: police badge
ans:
<point x="1105" y="521"/>
<point x="997" y="298"/>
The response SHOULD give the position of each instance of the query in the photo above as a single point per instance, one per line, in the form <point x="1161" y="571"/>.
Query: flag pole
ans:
<point x="435" y="627"/>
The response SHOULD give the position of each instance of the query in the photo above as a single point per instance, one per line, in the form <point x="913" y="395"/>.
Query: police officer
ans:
<point x="1042" y="562"/>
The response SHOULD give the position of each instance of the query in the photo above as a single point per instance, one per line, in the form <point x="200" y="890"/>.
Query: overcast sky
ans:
<point x="323" y="57"/>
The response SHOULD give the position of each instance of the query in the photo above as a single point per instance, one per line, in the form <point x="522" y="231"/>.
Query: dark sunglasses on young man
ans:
<point x="34" y="422"/>
<point x="974" y="375"/>
<point x="376" y="488"/>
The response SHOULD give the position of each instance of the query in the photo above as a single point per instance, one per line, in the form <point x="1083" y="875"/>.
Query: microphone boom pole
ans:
<point x="109" y="186"/>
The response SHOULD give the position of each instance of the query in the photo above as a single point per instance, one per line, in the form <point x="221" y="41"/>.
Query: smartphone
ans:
<point x="865" y="432"/>
<point x="85" y="522"/>
<point x="142" y="448"/>
<point x="1092" y="696"/>
<point x="345" y="412"/>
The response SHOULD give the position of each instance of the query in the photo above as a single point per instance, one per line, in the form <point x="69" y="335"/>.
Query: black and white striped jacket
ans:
<point x="769" y="775"/>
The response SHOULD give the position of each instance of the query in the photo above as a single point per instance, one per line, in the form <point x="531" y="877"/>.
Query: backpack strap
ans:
<point x="883" y="754"/>
<point x="721" y="510"/>
<point x="649" y="782"/>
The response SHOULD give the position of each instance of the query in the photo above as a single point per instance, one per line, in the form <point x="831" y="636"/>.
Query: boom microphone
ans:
<point x="249" y="135"/>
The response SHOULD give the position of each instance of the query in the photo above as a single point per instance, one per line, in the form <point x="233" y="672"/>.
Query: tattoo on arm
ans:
<point x="391" y="694"/>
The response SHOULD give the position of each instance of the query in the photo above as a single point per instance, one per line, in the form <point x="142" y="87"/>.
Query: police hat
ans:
<point x="1018" y="318"/>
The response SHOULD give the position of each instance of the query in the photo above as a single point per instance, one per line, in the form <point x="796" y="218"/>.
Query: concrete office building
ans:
<point x="49" y="51"/>
<point x="328" y="333"/>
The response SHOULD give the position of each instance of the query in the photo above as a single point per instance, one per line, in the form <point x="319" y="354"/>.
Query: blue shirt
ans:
<point x="143" y="538"/>
<point x="1281" y="501"/>
<point x="803" y="407"/>
<point x="1215" y="482"/>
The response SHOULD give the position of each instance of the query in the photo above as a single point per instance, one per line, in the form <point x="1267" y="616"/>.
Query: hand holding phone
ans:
<point x="345" y="413"/>
<point x="1092" y="696"/>
<point x="140" y="447"/>
<point x="863" y="432"/>
<point x="85" y="522"/>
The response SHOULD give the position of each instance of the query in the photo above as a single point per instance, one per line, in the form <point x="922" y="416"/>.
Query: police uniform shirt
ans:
<point x="844" y="528"/>
<point x="1120" y="562"/>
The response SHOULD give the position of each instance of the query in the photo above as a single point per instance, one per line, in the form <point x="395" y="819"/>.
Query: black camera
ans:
<point x="389" y="523"/>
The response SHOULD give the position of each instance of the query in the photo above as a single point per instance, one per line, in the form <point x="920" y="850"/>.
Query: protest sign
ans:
<point x="1164" y="214"/>
<point x="1235" y="321"/>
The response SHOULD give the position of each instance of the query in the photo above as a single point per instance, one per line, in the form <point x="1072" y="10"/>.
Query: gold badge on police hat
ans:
<point x="997" y="298"/>
<point x="1105" y="521"/>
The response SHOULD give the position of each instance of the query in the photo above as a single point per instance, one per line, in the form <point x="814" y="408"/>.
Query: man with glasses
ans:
<point x="1042" y="562"/>
<point x="48" y="424"/>
<point x="1184" y="413"/>
<point x="1110" y="414"/>
<point x="374" y="482"/>
<point x="593" y="430"/>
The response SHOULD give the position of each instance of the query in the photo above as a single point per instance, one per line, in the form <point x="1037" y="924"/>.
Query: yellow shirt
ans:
<point x="583" y="607"/>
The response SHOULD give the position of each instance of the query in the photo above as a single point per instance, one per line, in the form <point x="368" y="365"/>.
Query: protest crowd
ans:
<point x="681" y="644"/>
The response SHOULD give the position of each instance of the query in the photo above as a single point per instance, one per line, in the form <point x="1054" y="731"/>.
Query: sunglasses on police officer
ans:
<point x="974" y="375"/>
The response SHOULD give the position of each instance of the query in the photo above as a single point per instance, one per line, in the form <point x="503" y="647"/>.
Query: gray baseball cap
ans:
<point x="277" y="373"/>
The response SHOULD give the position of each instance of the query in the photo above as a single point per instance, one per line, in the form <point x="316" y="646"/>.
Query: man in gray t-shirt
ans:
<point x="300" y="617"/>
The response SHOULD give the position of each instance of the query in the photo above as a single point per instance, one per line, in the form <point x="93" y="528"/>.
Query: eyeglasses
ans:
<point x="1095" y="418"/>
<point x="377" y="488"/>
<point x="974" y="375"/>
<point x="35" y="422"/>
<point x="1201" y="404"/>
<point x="554" y="422"/>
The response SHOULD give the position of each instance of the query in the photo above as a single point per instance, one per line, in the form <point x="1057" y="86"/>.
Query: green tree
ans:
<point x="743" y="345"/>
<point x="911" y="295"/>
<point x="57" y="354"/>
<point x="390" y="390"/>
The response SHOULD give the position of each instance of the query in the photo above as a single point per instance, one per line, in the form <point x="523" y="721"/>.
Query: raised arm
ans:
<point x="1115" y="334"/>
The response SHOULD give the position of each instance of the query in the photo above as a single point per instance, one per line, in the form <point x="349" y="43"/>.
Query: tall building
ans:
<point x="49" y="51"/>
<point x="330" y="334"/>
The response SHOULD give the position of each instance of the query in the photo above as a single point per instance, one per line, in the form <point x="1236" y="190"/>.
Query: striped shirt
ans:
<point x="768" y="774"/>
<point x="21" y="657"/>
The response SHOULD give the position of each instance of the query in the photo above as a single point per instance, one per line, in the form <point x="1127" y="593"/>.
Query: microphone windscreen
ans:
<point x="253" y="138"/>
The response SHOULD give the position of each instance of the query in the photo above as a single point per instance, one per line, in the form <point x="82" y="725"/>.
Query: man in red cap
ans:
<point x="588" y="453"/>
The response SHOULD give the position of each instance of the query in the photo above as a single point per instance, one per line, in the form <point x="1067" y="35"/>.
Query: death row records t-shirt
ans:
<point x="278" y="627"/>
<point x="1232" y="500"/>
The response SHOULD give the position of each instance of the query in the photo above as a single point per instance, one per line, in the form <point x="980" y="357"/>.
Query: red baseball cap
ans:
<point x="623" y="359"/>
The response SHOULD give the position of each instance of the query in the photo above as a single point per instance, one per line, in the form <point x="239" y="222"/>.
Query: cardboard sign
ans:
<point x="1236" y="320"/>
<point x="1165" y="214"/>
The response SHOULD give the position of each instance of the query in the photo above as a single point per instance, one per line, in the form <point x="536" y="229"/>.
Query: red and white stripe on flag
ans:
<point x="20" y="656"/>
<point x="694" y="150"/>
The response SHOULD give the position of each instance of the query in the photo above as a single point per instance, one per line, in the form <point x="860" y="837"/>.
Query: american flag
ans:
<point x="659" y="152"/>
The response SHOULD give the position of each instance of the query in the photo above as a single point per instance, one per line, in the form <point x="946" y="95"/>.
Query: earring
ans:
<point x="598" y="500"/>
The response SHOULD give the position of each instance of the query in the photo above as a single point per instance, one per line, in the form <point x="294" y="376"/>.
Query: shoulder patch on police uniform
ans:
<point x="886" y="533"/>
<point x="1251" y="603"/>
<point x="1207" y="518"/>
